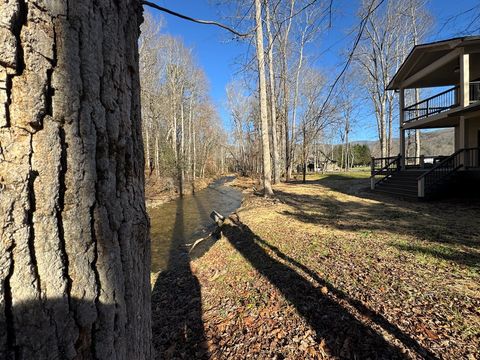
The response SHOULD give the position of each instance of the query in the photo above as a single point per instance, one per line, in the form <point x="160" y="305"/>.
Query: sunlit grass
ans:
<point x="413" y="263"/>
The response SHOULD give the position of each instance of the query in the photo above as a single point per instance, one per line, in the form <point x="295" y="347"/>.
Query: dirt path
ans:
<point x="329" y="270"/>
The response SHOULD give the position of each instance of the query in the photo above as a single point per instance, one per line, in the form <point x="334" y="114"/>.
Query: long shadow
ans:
<point x="177" y="325"/>
<point x="373" y="316"/>
<point x="461" y="257"/>
<point x="442" y="223"/>
<point x="344" y="335"/>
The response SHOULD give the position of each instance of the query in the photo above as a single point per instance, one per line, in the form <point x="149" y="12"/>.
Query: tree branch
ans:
<point x="363" y="24"/>
<point x="203" y="22"/>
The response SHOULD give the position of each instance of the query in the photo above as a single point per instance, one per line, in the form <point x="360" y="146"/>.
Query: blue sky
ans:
<point x="219" y="55"/>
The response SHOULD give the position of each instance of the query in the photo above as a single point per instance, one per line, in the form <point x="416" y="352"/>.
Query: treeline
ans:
<point x="284" y="104"/>
<point x="182" y="132"/>
<point x="347" y="157"/>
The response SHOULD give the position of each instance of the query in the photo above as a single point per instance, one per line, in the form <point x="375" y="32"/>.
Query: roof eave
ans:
<point x="396" y="80"/>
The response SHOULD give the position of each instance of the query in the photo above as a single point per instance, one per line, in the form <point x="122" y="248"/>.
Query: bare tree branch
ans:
<point x="363" y="23"/>
<point x="203" y="22"/>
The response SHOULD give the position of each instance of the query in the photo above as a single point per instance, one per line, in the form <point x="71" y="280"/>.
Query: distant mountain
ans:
<point x="438" y="142"/>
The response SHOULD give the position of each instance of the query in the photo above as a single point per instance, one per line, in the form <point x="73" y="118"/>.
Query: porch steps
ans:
<point x="401" y="184"/>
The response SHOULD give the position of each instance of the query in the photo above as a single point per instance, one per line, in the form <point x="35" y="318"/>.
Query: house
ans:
<point x="449" y="71"/>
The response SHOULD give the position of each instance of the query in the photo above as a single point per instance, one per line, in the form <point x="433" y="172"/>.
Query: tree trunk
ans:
<point x="189" y="148"/>
<point x="147" y="148"/>
<point x="347" y="150"/>
<point x="267" y="170"/>
<point x="284" y="57"/>
<point x="75" y="250"/>
<point x="273" y="110"/>
<point x="304" y="156"/>
<point x="194" y="164"/>
<point x="293" y="135"/>
<point x="181" y="167"/>
<point x="157" y="156"/>
<point x="383" y="131"/>
<point x="342" y="158"/>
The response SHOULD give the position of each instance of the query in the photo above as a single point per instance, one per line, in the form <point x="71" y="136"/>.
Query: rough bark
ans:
<point x="74" y="249"/>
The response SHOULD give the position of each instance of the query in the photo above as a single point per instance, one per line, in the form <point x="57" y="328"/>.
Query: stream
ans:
<point x="184" y="220"/>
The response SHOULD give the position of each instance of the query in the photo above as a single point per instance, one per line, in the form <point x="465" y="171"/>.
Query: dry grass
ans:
<point x="329" y="269"/>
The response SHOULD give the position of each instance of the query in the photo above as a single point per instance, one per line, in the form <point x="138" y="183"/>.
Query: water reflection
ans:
<point x="181" y="221"/>
<point x="177" y="324"/>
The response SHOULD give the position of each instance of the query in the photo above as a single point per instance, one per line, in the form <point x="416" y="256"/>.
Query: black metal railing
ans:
<point x="472" y="158"/>
<point x="421" y="162"/>
<point x="379" y="164"/>
<point x="475" y="91"/>
<point x="436" y="176"/>
<point x="436" y="104"/>
<point x="383" y="167"/>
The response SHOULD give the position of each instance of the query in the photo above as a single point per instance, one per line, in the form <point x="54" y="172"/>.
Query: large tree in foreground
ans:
<point x="74" y="249"/>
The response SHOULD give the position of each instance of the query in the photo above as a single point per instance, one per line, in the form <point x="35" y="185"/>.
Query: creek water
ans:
<point x="180" y="222"/>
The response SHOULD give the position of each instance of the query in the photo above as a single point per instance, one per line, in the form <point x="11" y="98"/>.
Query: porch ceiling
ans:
<point x="423" y="55"/>
<point x="444" y="76"/>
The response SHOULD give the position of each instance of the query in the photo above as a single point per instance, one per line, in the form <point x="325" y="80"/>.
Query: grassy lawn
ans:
<point x="328" y="269"/>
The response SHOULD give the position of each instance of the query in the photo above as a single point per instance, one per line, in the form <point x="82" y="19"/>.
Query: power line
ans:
<point x="454" y="18"/>
<point x="363" y="24"/>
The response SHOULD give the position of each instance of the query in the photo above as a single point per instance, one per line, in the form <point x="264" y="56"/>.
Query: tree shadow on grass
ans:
<point x="373" y="316"/>
<point x="177" y="326"/>
<point x="345" y="336"/>
<point x="451" y="226"/>
<point x="469" y="259"/>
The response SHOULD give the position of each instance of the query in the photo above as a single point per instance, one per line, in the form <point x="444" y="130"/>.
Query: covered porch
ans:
<point x="447" y="74"/>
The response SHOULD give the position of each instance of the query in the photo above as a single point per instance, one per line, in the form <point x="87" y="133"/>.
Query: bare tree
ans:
<point x="267" y="170"/>
<point x="420" y="21"/>
<point x="272" y="97"/>
<point x="314" y="116"/>
<point x="174" y="99"/>
<point x="284" y="33"/>
<point x="308" y="29"/>
<point x="386" y="43"/>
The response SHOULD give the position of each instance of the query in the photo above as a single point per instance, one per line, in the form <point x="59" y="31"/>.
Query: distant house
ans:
<point x="451" y="70"/>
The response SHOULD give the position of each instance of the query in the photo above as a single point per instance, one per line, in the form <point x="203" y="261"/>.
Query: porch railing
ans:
<point x="383" y="167"/>
<point x="422" y="161"/>
<point x="475" y="91"/>
<point x="436" y="104"/>
<point x="472" y="158"/>
<point x="436" y="176"/>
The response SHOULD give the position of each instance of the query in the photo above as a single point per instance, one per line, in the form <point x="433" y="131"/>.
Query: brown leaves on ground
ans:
<point x="323" y="274"/>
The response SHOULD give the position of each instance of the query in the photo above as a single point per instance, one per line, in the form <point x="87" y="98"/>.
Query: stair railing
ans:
<point x="442" y="170"/>
<point x="392" y="165"/>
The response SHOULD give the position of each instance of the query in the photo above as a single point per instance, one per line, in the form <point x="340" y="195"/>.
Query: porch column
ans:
<point x="463" y="140"/>
<point x="464" y="79"/>
<point x="401" y="101"/>
<point x="464" y="101"/>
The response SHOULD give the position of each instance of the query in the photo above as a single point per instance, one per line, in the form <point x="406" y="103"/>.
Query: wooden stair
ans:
<point x="401" y="184"/>
<point x="437" y="181"/>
